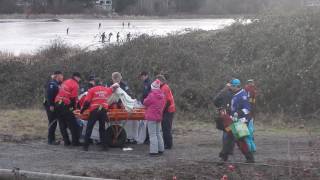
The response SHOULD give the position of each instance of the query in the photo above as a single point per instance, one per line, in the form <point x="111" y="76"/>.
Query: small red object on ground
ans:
<point x="231" y="167"/>
<point x="224" y="177"/>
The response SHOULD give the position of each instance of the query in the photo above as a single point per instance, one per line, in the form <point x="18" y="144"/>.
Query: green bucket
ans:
<point x="239" y="129"/>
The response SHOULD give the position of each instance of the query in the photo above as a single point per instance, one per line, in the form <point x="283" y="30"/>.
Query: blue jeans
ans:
<point x="156" y="140"/>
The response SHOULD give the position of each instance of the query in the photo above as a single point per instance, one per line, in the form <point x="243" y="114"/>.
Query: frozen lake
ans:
<point x="27" y="36"/>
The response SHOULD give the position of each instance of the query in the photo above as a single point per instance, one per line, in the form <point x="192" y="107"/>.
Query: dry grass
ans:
<point x="32" y="124"/>
<point x="25" y="123"/>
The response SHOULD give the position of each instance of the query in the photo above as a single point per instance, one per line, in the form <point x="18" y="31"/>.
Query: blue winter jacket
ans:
<point x="240" y="104"/>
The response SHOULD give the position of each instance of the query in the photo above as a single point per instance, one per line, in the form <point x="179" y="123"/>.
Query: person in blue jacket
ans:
<point x="240" y="108"/>
<point x="240" y="104"/>
<point x="51" y="91"/>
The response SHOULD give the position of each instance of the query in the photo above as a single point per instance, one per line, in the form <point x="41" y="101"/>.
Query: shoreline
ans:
<point x="118" y="17"/>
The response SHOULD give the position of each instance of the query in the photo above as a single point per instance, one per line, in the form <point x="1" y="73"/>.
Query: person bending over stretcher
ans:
<point x="96" y="102"/>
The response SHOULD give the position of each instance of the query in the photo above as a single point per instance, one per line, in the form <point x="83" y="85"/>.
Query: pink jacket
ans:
<point x="155" y="103"/>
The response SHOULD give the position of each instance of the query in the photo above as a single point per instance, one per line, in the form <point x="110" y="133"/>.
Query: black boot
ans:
<point x="223" y="156"/>
<point x="250" y="158"/>
<point x="104" y="148"/>
<point x="86" y="148"/>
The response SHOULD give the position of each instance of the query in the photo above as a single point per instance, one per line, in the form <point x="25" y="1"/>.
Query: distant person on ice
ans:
<point x="118" y="36"/>
<point x="67" y="31"/>
<point x="99" y="25"/>
<point x="128" y="37"/>
<point x="110" y="35"/>
<point x="128" y="24"/>
<point x="103" y="37"/>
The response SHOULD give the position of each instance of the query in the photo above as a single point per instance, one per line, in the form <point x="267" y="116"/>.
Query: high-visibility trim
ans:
<point x="245" y="111"/>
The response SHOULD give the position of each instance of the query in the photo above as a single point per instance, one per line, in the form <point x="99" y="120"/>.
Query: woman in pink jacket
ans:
<point x="155" y="103"/>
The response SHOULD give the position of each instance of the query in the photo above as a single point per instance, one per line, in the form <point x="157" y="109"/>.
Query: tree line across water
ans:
<point x="131" y="6"/>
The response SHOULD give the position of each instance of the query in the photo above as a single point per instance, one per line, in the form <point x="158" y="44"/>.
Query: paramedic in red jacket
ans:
<point x="251" y="89"/>
<point x="65" y="103"/>
<point x="96" y="102"/>
<point x="168" y="113"/>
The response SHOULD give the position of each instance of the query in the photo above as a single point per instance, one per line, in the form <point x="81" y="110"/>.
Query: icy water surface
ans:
<point x="28" y="36"/>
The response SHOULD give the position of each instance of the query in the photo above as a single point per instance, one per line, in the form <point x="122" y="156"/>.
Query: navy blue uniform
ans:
<point x="146" y="88"/>
<point x="52" y="89"/>
<point x="240" y="104"/>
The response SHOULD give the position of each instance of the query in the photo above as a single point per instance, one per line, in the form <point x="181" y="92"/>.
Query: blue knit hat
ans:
<point x="235" y="82"/>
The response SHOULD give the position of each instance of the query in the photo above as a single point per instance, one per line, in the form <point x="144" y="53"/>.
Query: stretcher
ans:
<point x="116" y="119"/>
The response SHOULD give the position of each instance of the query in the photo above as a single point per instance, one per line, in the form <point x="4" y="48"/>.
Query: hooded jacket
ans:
<point x="170" y="105"/>
<point x="155" y="103"/>
<point x="68" y="93"/>
<point x="241" y="105"/>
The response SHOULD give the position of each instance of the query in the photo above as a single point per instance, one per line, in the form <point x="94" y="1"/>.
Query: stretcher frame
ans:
<point x="116" y="120"/>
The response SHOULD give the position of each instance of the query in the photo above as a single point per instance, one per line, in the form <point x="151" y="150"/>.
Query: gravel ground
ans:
<point x="194" y="156"/>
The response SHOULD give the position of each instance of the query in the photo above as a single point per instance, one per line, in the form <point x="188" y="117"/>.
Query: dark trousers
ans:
<point x="66" y="120"/>
<point x="52" y="125"/>
<point x="228" y="146"/>
<point x="101" y="116"/>
<point x="167" y="129"/>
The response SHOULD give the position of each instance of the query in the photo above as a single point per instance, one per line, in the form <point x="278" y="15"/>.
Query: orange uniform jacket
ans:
<point x="98" y="96"/>
<point x="68" y="90"/>
<point x="169" y="97"/>
<point x="252" y="93"/>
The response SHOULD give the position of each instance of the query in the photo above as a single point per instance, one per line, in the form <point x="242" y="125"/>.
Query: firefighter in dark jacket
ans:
<point x="51" y="91"/>
<point x="144" y="76"/>
<point x="222" y="101"/>
<point x="146" y="84"/>
<point x="65" y="103"/>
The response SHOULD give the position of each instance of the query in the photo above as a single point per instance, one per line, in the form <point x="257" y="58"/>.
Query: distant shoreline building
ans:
<point x="311" y="3"/>
<point x="104" y="4"/>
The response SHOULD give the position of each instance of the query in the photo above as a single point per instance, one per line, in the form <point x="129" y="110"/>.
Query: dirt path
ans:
<point x="194" y="157"/>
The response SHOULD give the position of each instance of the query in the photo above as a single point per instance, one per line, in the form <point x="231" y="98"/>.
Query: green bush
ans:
<point x="280" y="52"/>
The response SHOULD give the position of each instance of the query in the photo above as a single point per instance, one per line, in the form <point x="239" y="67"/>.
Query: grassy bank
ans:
<point x="21" y="125"/>
<point x="280" y="52"/>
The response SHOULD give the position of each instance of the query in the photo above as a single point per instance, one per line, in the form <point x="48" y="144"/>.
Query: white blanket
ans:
<point x="128" y="103"/>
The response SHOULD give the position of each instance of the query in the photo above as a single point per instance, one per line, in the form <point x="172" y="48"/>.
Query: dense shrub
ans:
<point x="280" y="52"/>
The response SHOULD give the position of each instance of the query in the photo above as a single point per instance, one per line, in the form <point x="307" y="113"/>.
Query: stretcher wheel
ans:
<point x="116" y="136"/>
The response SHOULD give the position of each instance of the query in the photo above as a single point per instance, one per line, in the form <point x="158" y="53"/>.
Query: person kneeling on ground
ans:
<point x="155" y="103"/>
<point x="96" y="101"/>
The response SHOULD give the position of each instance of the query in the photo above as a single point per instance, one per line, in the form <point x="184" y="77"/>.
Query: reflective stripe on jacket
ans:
<point x="98" y="96"/>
